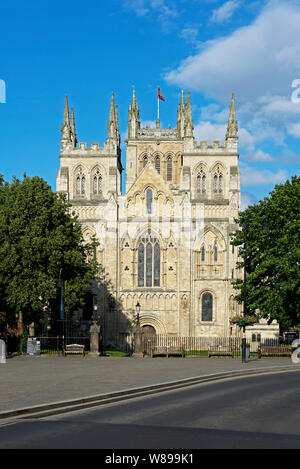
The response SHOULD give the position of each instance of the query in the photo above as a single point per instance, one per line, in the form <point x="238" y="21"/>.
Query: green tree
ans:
<point x="273" y="254"/>
<point x="38" y="238"/>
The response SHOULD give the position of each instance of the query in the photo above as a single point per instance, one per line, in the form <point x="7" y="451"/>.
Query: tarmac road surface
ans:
<point x="254" y="412"/>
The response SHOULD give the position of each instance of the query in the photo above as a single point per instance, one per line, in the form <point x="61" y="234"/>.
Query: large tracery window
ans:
<point x="149" y="262"/>
<point x="207" y="307"/>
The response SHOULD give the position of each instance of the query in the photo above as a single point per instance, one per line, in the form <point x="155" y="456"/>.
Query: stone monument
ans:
<point x="94" y="340"/>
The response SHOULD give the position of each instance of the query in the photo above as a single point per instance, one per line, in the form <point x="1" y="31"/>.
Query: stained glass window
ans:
<point x="207" y="307"/>
<point x="149" y="262"/>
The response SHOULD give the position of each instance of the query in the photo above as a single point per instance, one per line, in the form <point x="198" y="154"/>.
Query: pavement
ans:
<point x="28" y="382"/>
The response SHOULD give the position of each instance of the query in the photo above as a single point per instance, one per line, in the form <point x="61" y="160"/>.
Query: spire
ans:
<point x="133" y="117"/>
<point x="133" y="99"/>
<point x="182" y="100"/>
<point x="116" y="117"/>
<point x="65" y="128"/>
<point x="232" y="126"/>
<point x="111" y="126"/>
<point x="66" y="110"/>
<point x="72" y="127"/>
<point x="112" y="108"/>
<point x="181" y="116"/>
<point x="189" y="126"/>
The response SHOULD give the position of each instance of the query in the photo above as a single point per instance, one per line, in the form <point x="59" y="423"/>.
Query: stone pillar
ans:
<point x="2" y="351"/>
<point x="31" y="330"/>
<point x="94" y="340"/>
<point x="138" y="342"/>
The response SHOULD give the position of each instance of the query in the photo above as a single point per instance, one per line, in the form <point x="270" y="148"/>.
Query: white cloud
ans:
<point x="254" y="177"/>
<point x="256" y="60"/>
<point x="208" y="131"/>
<point x="225" y="12"/>
<point x="163" y="11"/>
<point x="294" y="129"/>
<point x="260" y="155"/>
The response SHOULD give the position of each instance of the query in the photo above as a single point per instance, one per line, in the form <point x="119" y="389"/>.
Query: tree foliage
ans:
<point x="273" y="254"/>
<point x="38" y="237"/>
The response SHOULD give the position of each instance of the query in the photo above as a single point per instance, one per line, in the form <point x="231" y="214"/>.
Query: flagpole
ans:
<point x="157" y="108"/>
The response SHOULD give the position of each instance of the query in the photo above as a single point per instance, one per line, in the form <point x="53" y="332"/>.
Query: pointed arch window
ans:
<point x="201" y="182"/>
<point x="149" y="262"/>
<point x="149" y="199"/>
<point x="218" y="181"/>
<point x="169" y="169"/>
<point x="207" y="307"/>
<point x="202" y="254"/>
<point x="215" y="253"/>
<point x="97" y="183"/>
<point x="80" y="183"/>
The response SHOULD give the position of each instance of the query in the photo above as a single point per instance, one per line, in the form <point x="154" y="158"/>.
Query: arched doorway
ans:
<point x="149" y="330"/>
<point x="149" y="338"/>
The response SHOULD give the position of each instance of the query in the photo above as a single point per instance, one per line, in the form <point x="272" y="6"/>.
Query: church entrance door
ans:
<point x="149" y="338"/>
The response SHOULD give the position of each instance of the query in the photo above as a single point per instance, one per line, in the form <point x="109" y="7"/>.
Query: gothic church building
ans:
<point x="165" y="243"/>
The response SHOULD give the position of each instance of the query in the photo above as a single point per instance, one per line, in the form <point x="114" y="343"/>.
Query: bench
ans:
<point x="273" y="350"/>
<point x="74" y="349"/>
<point x="214" y="350"/>
<point x="166" y="350"/>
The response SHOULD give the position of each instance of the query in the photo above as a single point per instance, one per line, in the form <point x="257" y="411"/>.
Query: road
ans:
<point x="249" y="412"/>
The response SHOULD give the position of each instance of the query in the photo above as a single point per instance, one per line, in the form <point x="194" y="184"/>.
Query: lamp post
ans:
<point x="138" y="309"/>
<point x="62" y="307"/>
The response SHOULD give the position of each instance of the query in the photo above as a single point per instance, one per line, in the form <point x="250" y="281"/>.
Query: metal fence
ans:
<point x="193" y="346"/>
<point x="55" y="345"/>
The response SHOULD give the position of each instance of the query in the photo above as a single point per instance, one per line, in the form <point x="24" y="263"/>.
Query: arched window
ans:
<point x="218" y="181"/>
<point x="157" y="164"/>
<point x="82" y="185"/>
<point x="80" y="182"/>
<point x="202" y="254"/>
<point x="145" y="161"/>
<point x="97" y="183"/>
<point x="201" y="182"/>
<point x="149" y="198"/>
<point x="169" y="169"/>
<point x="215" y="253"/>
<point x="207" y="307"/>
<point x="149" y="262"/>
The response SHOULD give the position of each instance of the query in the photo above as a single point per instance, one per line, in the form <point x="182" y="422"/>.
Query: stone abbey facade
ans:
<point x="165" y="243"/>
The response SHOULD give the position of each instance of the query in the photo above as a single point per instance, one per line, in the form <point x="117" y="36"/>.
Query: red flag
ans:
<point x="160" y="96"/>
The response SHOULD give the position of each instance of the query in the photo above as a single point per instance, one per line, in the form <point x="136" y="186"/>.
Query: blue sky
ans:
<point x="210" y="48"/>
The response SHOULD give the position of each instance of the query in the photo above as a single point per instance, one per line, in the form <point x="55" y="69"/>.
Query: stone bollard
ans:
<point x="2" y="351"/>
<point x="94" y="340"/>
